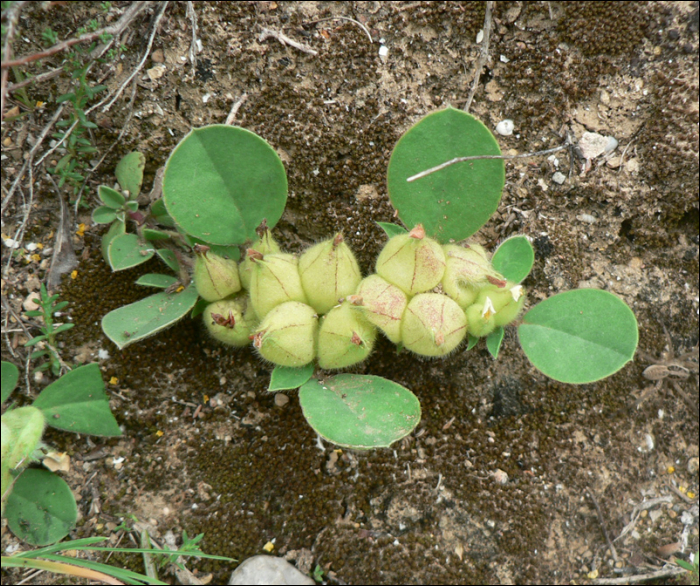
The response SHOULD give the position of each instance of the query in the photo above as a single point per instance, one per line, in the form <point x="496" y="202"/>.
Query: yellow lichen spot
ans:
<point x="180" y="289"/>
<point x="690" y="494"/>
<point x="74" y="274"/>
<point x="159" y="433"/>
<point x="113" y="381"/>
<point x="269" y="546"/>
<point x="670" y="470"/>
<point x="81" y="230"/>
<point x="40" y="104"/>
<point x="592" y="575"/>
<point x="36" y="258"/>
<point x="40" y="246"/>
<point x="206" y="398"/>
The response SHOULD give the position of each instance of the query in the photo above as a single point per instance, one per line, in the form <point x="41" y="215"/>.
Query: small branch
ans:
<point x="477" y="157"/>
<point x="613" y="551"/>
<point x="115" y="29"/>
<point x="192" y="15"/>
<point x="234" y="109"/>
<point x="285" y="40"/>
<point x="666" y="572"/>
<point x="362" y="26"/>
<point x="483" y="55"/>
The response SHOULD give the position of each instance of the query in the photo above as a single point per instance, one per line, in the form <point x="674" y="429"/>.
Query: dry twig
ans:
<point x="285" y="40"/>
<point x="613" y="551"/>
<point x="483" y="55"/>
<point x="362" y="26"/>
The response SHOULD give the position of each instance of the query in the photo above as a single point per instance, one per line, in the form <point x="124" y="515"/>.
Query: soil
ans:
<point x="207" y="449"/>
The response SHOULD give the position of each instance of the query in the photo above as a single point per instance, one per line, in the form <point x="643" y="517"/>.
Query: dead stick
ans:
<point x="613" y="551"/>
<point x="483" y="55"/>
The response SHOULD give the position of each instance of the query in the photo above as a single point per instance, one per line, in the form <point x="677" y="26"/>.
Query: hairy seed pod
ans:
<point x="480" y="318"/>
<point x="328" y="273"/>
<point x="287" y="336"/>
<point x="230" y="321"/>
<point x="383" y="305"/>
<point x="507" y="301"/>
<point x="264" y="245"/>
<point x="274" y="280"/>
<point x="467" y="270"/>
<point x="412" y="262"/>
<point x="345" y="337"/>
<point x="25" y="426"/>
<point x="433" y="325"/>
<point x="215" y="277"/>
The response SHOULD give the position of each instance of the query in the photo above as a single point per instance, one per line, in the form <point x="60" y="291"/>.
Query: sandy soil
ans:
<point x="432" y="510"/>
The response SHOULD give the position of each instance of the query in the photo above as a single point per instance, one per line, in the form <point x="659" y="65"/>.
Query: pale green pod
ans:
<point x="383" y="305"/>
<point x="266" y="244"/>
<point x="274" y="280"/>
<point x="345" y="337"/>
<point x="287" y="336"/>
<point x="433" y="325"/>
<point x="413" y="262"/>
<point x="230" y="321"/>
<point x="215" y="277"/>
<point x="467" y="270"/>
<point x="507" y="301"/>
<point x="329" y="272"/>
<point x="480" y="319"/>
<point x="26" y="426"/>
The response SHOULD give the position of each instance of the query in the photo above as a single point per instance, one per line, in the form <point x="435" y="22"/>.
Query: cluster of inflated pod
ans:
<point x="424" y="296"/>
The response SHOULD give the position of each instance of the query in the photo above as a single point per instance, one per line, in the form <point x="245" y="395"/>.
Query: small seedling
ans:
<point x="50" y="308"/>
<point x="433" y="289"/>
<point x="38" y="504"/>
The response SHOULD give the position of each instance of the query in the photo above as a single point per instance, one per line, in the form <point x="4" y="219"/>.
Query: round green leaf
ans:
<point x="221" y="181"/>
<point x="125" y="251"/>
<point x="285" y="377"/>
<point x="41" y="508"/>
<point x="10" y="376"/>
<point x="111" y="197"/>
<point x="579" y="336"/>
<point x="514" y="258"/>
<point x="129" y="173"/>
<point x="103" y="215"/>
<point x="156" y="280"/>
<point x="358" y="411"/>
<point x="453" y="203"/>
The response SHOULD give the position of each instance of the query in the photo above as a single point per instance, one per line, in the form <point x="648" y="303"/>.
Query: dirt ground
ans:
<point x="207" y="449"/>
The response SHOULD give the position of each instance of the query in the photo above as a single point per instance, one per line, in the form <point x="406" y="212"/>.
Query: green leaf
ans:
<point x="579" y="336"/>
<point x="63" y="328"/>
<point x="34" y="341"/>
<point x="471" y="342"/>
<point x="156" y="280"/>
<point x="111" y="197"/>
<point x="129" y="173"/>
<point x="149" y="316"/>
<point x="41" y="508"/>
<point x="285" y="377"/>
<point x="493" y="341"/>
<point x="514" y="258"/>
<point x="103" y="215"/>
<point x="199" y="307"/>
<point x="169" y="258"/>
<point x="132" y="206"/>
<point x="10" y="376"/>
<point x="390" y="229"/>
<point x="125" y="251"/>
<point x="116" y="229"/>
<point x="160" y="214"/>
<point x="453" y="203"/>
<point x="221" y="181"/>
<point x="152" y="235"/>
<point x="358" y="411"/>
<point x="25" y="426"/>
<point x="77" y="402"/>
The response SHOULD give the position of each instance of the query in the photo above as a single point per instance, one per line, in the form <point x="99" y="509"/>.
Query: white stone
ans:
<point x="505" y="127"/>
<point x="559" y="178"/>
<point x="267" y="569"/>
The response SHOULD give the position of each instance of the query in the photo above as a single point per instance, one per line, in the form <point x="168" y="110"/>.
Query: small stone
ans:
<point x="558" y="178"/>
<point x="505" y="127"/>
<point x="266" y="569"/>
<point x="281" y="399"/>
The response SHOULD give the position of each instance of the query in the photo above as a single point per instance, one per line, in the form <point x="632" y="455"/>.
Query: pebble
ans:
<point x="505" y="127"/>
<point x="559" y="178"/>
<point x="593" y="145"/>
<point x="267" y="569"/>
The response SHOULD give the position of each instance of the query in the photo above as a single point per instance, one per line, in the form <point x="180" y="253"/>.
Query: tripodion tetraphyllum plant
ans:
<point x="432" y="290"/>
